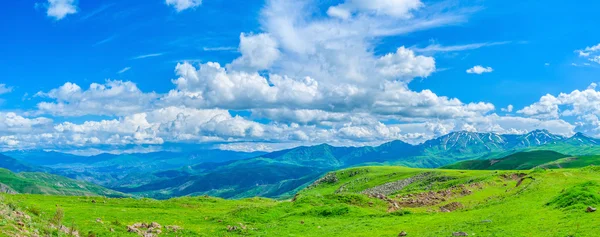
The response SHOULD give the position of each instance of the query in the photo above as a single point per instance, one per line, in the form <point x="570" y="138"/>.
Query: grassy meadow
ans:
<point x="441" y="202"/>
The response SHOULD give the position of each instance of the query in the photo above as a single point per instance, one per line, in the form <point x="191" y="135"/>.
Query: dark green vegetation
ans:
<point x="528" y="160"/>
<point x="43" y="183"/>
<point x="280" y="174"/>
<point x="362" y="201"/>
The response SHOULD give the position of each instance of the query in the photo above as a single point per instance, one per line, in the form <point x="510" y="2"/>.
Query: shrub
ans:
<point x="35" y="210"/>
<point x="400" y="213"/>
<point x="116" y="222"/>
<point x="58" y="216"/>
<point x="328" y="211"/>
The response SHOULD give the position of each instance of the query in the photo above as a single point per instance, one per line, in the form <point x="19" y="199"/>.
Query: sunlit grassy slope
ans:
<point x="480" y="203"/>
<point x="528" y="160"/>
<point x="43" y="183"/>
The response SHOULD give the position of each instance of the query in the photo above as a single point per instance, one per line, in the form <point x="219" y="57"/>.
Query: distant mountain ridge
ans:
<point x="232" y="174"/>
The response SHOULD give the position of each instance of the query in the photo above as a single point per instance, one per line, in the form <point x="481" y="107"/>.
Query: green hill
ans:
<point x="43" y="183"/>
<point x="362" y="201"/>
<point x="279" y="174"/>
<point x="517" y="161"/>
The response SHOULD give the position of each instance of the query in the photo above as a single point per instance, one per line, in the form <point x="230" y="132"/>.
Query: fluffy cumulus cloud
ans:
<point x="304" y="79"/>
<point x="479" y="70"/>
<point x="258" y="52"/>
<point x="181" y="5"/>
<point x="110" y="98"/>
<point x="581" y="105"/>
<point x="59" y="9"/>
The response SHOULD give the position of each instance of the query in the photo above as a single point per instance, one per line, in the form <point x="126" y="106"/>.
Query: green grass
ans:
<point x="547" y="203"/>
<point x="43" y="183"/>
<point x="516" y="161"/>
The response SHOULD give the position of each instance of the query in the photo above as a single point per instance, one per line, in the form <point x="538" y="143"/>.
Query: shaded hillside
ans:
<point x="43" y="183"/>
<point x="19" y="166"/>
<point x="278" y="174"/>
<point x="517" y="161"/>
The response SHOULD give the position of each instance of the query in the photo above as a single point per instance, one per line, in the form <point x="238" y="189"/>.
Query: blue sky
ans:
<point x="291" y="73"/>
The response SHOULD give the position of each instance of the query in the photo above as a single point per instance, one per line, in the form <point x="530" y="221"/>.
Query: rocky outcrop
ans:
<point x="392" y="187"/>
<point x="330" y="178"/>
<point x="6" y="189"/>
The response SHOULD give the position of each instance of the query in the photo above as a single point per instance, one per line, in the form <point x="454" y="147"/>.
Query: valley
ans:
<point x="280" y="174"/>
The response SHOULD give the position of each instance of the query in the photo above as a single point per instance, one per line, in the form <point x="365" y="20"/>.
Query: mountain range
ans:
<point x="232" y="174"/>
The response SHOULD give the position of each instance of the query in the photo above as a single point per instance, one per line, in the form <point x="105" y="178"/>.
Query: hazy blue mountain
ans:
<point x="277" y="174"/>
<point x="17" y="166"/>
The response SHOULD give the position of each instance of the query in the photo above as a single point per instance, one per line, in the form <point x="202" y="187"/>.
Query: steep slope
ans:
<point x="18" y="166"/>
<point x="255" y="177"/>
<point x="517" y="161"/>
<point x="43" y="183"/>
<point x="531" y="139"/>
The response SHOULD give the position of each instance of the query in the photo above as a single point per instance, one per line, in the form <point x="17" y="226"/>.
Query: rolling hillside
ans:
<point x="528" y="160"/>
<point x="280" y="174"/>
<point x="517" y="161"/>
<point x="362" y="201"/>
<point x="43" y="183"/>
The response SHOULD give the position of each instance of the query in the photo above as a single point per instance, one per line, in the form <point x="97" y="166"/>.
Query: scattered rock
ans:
<point x="486" y="221"/>
<point x="460" y="234"/>
<point x="403" y="233"/>
<point x="173" y="228"/>
<point x="231" y="228"/>
<point x="388" y="188"/>
<point x="98" y="220"/>
<point x="147" y="230"/>
<point x="514" y="176"/>
<point x="329" y="178"/>
<point x="132" y="229"/>
<point x="451" y="207"/>
<point x="155" y="225"/>
<point x="590" y="209"/>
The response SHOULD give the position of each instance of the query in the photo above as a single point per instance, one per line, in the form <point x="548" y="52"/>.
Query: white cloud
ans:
<point x="222" y="48"/>
<point x="124" y="70"/>
<point x="258" y="52"/>
<point x="4" y="89"/>
<point x="591" y="53"/>
<point x="404" y="64"/>
<point x="111" y="98"/>
<point x="452" y="48"/>
<point x="313" y="79"/>
<point x="147" y="56"/>
<point x="181" y="5"/>
<point x="508" y="109"/>
<point x="479" y="70"/>
<point x="581" y="105"/>
<point x="59" y="9"/>
<point x="393" y="8"/>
